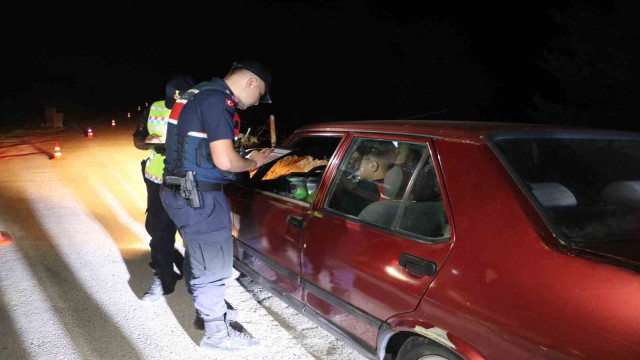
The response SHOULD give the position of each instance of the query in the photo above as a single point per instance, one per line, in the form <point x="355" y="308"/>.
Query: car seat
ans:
<point x="384" y="212"/>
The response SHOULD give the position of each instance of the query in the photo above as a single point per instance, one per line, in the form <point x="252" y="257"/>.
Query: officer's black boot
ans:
<point x="168" y="281"/>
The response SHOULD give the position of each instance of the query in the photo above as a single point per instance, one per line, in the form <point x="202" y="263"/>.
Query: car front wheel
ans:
<point x="419" y="348"/>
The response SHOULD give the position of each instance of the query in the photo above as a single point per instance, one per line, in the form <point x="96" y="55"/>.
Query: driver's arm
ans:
<point x="226" y="158"/>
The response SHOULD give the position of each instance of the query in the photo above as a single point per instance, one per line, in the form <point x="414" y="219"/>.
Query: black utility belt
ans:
<point x="203" y="187"/>
<point x="189" y="188"/>
<point x="209" y="186"/>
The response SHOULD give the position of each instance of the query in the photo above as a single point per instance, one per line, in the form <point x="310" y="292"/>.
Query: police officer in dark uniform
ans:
<point x="200" y="159"/>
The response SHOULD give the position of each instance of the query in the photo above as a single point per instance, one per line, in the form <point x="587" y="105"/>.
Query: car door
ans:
<point x="366" y="259"/>
<point x="269" y="215"/>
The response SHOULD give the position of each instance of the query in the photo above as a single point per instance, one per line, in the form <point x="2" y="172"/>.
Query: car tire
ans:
<point x="420" y="348"/>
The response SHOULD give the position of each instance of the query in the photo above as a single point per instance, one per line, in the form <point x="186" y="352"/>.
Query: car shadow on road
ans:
<point x="89" y="327"/>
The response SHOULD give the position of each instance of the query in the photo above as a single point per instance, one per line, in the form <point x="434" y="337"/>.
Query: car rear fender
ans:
<point x="398" y="329"/>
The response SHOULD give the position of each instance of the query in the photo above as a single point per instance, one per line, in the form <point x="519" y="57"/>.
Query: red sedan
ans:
<point x="455" y="240"/>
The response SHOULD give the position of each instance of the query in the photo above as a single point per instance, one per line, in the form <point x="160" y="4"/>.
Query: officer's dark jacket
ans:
<point x="202" y="115"/>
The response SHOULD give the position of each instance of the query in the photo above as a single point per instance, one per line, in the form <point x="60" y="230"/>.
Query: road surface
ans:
<point x="71" y="281"/>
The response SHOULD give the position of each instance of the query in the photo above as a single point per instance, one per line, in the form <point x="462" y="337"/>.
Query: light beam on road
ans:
<point x="35" y="323"/>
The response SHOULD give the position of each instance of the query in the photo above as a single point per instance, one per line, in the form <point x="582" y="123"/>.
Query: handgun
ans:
<point x="190" y="190"/>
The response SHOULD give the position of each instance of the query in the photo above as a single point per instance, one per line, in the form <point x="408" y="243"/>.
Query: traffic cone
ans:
<point x="57" y="154"/>
<point x="90" y="133"/>
<point x="129" y="115"/>
<point x="5" y="238"/>
<point x="113" y="123"/>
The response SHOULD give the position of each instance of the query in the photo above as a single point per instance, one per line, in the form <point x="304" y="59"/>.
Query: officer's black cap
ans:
<point x="179" y="83"/>
<point x="261" y="71"/>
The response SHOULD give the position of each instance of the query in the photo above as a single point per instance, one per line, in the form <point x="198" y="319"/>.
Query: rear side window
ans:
<point x="587" y="186"/>
<point x="297" y="174"/>
<point x="390" y="185"/>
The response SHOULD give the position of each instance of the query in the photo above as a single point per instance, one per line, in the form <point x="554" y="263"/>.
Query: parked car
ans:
<point x="460" y="240"/>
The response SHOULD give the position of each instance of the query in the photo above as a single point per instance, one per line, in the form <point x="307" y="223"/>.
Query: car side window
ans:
<point x="297" y="174"/>
<point x="373" y="178"/>
<point x="390" y="184"/>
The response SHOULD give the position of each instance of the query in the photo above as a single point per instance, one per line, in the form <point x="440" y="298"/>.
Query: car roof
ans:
<point x="468" y="131"/>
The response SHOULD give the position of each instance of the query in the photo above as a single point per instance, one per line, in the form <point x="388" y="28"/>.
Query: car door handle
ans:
<point x="417" y="265"/>
<point x="295" y="222"/>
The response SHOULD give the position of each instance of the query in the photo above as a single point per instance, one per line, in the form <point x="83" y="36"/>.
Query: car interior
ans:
<point x="420" y="207"/>
<point x="297" y="174"/>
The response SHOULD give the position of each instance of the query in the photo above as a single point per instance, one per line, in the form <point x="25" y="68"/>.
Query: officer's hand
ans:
<point x="261" y="157"/>
<point x="154" y="139"/>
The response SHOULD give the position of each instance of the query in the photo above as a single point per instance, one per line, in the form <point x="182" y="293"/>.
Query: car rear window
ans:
<point x="587" y="186"/>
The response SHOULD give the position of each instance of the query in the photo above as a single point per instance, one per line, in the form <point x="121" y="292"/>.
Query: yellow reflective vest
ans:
<point x="157" y="124"/>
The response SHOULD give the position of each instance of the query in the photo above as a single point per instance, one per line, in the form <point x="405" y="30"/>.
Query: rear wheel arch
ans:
<point x="393" y="336"/>
<point x="421" y="348"/>
<point x="392" y="343"/>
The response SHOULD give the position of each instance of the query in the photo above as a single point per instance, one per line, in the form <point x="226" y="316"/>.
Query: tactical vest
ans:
<point x="156" y="124"/>
<point x="193" y="150"/>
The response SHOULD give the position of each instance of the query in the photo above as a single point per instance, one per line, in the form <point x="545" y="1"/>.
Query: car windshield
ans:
<point x="587" y="186"/>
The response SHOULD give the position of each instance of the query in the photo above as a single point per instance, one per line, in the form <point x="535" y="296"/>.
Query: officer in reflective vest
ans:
<point x="150" y="136"/>
<point x="200" y="159"/>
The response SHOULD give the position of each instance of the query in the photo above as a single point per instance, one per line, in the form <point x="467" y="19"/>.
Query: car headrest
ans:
<point x="395" y="183"/>
<point x="622" y="193"/>
<point x="553" y="194"/>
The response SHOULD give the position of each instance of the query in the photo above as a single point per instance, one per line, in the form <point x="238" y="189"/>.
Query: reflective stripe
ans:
<point x="197" y="134"/>
<point x="159" y="108"/>
<point x="172" y="121"/>
<point x="155" y="179"/>
<point x="158" y="119"/>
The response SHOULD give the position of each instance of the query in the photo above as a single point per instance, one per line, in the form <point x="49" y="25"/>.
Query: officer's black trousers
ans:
<point x="163" y="233"/>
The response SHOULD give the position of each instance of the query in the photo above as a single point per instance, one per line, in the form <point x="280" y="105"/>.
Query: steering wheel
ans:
<point x="314" y="170"/>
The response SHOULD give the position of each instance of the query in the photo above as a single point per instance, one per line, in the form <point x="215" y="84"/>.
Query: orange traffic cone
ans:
<point x="57" y="154"/>
<point x="5" y="238"/>
<point x="113" y="123"/>
<point x="90" y="133"/>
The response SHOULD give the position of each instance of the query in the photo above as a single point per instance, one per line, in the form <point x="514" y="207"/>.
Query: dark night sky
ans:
<point x="559" y="62"/>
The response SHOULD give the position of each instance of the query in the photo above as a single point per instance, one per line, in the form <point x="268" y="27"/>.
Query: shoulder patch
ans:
<point x="231" y="103"/>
